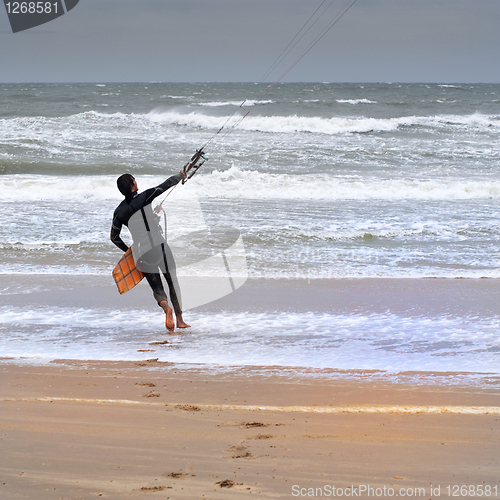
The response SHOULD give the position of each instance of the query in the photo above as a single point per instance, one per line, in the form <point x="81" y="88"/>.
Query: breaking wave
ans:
<point x="247" y="184"/>
<point x="40" y="132"/>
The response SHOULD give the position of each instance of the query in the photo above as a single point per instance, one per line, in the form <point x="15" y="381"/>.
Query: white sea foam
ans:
<point x="328" y="126"/>
<point x="236" y="183"/>
<point x="248" y="184"/>
<point x="23" y="268"/>
<point x="370" y="342"/>
<point x="41" y="132"/>
<point x="282" y="124"/>
<point x="34" y="188"/>
<point x="356" y="101"/>
<point x="246" y="103"/>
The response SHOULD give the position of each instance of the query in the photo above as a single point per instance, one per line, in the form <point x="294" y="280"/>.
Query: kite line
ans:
<point x="198" y="159"/>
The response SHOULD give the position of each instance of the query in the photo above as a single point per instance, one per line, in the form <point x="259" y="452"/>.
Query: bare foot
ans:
<point x="181" y="323"/>
<point x="169" y="320"/>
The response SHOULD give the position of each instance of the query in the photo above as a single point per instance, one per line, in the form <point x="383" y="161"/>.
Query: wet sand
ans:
<point x="155" y="430"/>
<point x="405" y="296"/>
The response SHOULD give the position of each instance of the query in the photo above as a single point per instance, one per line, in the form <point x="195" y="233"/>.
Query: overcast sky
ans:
<point x="237" y="40"/>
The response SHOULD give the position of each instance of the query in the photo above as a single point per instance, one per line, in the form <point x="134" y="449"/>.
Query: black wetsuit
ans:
<point x="151" y="252"/>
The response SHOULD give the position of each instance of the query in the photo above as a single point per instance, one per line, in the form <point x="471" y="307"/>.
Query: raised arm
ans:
<point x="158" y="190"/>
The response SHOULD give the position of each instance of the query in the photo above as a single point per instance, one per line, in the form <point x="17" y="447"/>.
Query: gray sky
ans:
<point x="237" y="40"/>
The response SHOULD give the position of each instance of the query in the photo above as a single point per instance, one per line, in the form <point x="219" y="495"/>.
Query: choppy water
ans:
<point x="322" y="180"/>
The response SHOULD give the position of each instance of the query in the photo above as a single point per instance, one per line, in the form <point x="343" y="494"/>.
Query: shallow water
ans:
<point x="321" y="180"/>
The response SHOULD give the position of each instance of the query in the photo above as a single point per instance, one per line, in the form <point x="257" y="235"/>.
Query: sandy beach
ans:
<point x="362" y="356"/>
<point x="150" y="429"/>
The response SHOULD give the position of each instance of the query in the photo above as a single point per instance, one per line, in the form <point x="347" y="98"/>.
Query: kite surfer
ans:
<point x="150" y="249"/>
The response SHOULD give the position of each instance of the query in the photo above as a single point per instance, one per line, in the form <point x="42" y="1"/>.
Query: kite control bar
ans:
<point x="190" y="166"/>
<point x="193" y="165"/>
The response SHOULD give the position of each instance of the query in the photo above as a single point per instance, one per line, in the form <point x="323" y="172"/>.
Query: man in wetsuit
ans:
<point x="150" y="250"/>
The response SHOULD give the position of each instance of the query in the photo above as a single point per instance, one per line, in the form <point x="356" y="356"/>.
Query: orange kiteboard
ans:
<point x="125" y="273"/>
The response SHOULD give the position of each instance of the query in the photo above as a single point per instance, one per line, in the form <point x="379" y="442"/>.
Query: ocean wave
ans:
<point x="40" y="188"/>
<point x="356" y="101"/>
<point x="282" y="124"/>
<point x="329" y="126"/>
<point x="246" y="103"/>
<point x="101" y="126"/>
<point x="63" y="131"/>
<point x="244" y="184"/>
<point x="250" y="184"/>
